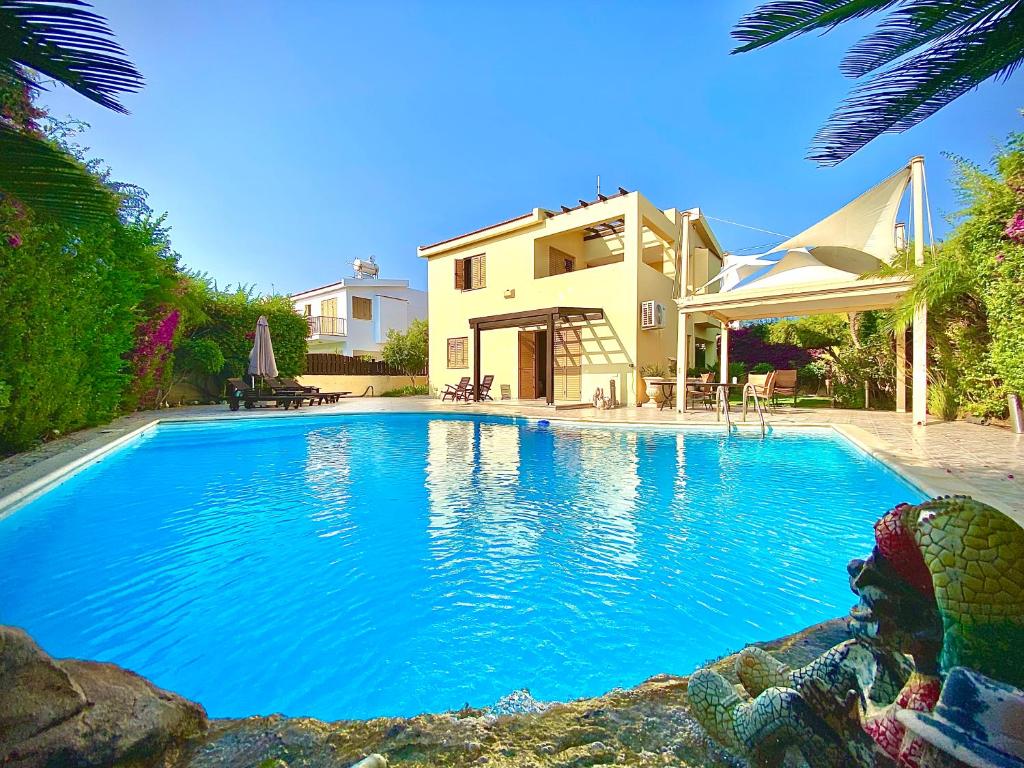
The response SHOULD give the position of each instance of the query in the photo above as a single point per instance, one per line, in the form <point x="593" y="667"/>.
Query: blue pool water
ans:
<point x="391" y="564"/>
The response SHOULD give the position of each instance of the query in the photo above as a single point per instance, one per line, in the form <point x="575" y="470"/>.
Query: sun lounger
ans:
<point x="287" y="386"/>
<point x="239" y="393"/>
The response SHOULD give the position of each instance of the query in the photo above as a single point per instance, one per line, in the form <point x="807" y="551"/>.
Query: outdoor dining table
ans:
<point x="694" y="383"/>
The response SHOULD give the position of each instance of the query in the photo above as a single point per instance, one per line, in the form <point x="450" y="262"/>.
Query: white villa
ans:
<point x="353" y="316"/>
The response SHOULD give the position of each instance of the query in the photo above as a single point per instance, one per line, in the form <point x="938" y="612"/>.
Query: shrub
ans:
<point x="407" y="351"/>
<point x="762" y="368"/>
<point x="410" y="390"/>
<point x="653" y="371"/>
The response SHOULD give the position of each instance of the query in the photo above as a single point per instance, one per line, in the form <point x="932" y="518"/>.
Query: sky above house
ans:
<point x="285" y="139"/>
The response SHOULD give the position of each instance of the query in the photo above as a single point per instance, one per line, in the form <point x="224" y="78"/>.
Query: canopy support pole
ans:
<point x="682" y="360"/>
<point x="723" y="360"/>
<point x="549" y="356"/>
<point x="920" y="351"/>
<point x="901" y="371"/>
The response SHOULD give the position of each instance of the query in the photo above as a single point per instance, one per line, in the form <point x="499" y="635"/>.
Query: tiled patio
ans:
<point x="986" y="462"/>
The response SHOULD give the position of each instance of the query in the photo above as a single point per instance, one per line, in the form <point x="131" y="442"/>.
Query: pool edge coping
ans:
<point x="33" y="488"/>
<point x="925" y="479"/>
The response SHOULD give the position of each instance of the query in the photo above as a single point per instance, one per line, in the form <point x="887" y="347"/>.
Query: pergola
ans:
<point x="546" y="317"/>
<point x="818" y="271"/>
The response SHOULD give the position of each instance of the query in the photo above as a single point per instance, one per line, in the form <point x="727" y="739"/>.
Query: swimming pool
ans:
<point x="363" y="565"/>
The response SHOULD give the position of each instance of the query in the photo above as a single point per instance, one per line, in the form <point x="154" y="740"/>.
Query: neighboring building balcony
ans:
<point x="325" y="327"/>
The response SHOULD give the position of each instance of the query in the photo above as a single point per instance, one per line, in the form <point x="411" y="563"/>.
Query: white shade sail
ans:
<point x="854" y="240"/>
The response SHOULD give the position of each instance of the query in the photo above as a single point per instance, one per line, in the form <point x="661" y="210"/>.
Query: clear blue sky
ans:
<point x="286" y="138"/>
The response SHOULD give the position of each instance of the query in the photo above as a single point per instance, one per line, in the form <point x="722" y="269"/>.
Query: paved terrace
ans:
<point x="986" y="462"/>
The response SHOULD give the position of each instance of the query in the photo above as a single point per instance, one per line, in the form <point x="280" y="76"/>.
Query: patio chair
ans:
<point x="704" y="395"/>
<point x="456" y="391"/>
<point x="506" y="391"/>
<point x="485" y="389"/>
<point x="764" y="386"/>
<point x="785" y="384"/>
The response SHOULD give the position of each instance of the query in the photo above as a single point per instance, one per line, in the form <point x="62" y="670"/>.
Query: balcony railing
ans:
<point x="325" y="326"/>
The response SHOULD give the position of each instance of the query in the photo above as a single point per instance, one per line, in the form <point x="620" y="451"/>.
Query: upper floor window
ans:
<point x="307" y="310"/>
<point x="560" y="262"/>
<point x="471" y="272"/>
<point x="362" y="308"/>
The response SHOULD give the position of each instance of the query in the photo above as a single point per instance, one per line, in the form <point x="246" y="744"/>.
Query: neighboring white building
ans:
<point x="353" y="316"/>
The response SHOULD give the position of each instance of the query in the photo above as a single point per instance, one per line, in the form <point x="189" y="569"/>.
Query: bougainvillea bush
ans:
<point x="974" y="288"/>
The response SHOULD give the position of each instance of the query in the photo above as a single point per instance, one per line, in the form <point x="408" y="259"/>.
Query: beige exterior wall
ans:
<point x="614" y="273"/>
<point x="357" y="384"/>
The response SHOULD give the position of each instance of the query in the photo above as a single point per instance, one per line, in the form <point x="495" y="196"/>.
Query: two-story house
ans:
<point x="558" y="303"/>
<point x="353" y="316"/>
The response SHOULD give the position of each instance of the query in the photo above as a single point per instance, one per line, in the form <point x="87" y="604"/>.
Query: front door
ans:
<point x="527" y="365"/>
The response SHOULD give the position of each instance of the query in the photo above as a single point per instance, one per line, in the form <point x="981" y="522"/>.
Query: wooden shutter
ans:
<point x="457" y="356"/>
<point x="478" y="271"/>
<point x="460" y="275"/>
<point x="560" y="262"/>
<point x="568" y="364"/>
<point x="362" y="308"/>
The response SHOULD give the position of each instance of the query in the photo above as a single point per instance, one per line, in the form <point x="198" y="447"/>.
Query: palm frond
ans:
<point x="916" y="23"/>
<point x="900" y="97"/>
<point x="779" y="19"/>
<point x="63" y="40"/>
<point x="49" y="181"/>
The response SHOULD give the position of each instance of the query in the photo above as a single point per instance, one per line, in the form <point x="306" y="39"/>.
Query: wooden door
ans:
<point x="568" y="364"/>
<point x="527" y="365"/>
<point x="329" y="316"/>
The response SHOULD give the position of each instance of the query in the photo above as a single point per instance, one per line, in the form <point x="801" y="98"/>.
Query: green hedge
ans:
<point x="71" y="302"/>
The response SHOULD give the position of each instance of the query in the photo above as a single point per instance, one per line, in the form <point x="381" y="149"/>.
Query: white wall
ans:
<point x="394" y="306"/>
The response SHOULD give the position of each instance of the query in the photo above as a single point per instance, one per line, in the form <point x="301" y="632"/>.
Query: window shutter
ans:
<point x="478" y="271"/>
<point x="460" y="276"/>
<point x="457" y="352"/>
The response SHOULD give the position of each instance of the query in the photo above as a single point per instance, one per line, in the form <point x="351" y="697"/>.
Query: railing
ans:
<point x="322" y="364"/>
<point x="722" y="405"/>
<point x="320" y="325"/>
<point x="749" y="388"/>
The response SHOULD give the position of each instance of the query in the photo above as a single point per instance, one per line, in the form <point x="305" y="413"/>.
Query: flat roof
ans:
<point x="355" y="282"/>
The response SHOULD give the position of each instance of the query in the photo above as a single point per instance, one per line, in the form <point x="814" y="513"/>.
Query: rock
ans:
<point x="372" y="761"/>
<point x="79" y="713"/>
<point x="35" y="694"/>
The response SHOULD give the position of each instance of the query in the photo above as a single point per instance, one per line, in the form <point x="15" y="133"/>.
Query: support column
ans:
<point x="682" y="360"/>
<point x="723" y="358"/>
<point x="920" y="351"/>
<point x="901" y="371"/>
<point x="476" y="363"/>
<point x="550" y="355"/>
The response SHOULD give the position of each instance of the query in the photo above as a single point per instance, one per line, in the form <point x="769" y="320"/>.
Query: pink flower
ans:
<point x="1015" y="228"/>
<point x="14" y="241"/>
<point x="1000" y="257"/>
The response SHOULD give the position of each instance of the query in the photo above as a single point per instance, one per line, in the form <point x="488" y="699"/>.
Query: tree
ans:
<point x="61" y="40"/>
<point x="407" y="351"/>
<point x="922" y="56"/>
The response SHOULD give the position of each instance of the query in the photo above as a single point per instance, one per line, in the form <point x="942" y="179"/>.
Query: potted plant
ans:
<point x="653" y="375"/>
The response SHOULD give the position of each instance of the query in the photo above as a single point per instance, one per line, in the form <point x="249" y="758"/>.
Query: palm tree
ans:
<point x="923" y="55"/>
<point x="64" y="41"/>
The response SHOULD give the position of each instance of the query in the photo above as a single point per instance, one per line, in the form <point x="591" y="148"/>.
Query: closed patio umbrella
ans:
<point x="261" y="358"/>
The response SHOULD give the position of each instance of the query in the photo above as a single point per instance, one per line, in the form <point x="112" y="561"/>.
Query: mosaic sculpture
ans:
<point x="941" y="598"/>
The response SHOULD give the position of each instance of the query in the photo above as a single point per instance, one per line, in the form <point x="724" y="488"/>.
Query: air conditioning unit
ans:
<point x="652" y="315"/>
